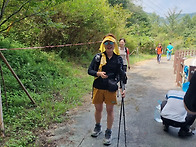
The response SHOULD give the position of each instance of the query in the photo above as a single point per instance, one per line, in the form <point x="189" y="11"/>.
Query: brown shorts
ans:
<point x="100" y="96"/>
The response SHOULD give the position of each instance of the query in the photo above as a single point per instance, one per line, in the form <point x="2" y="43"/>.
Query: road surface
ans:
<point x="148" y="82"/>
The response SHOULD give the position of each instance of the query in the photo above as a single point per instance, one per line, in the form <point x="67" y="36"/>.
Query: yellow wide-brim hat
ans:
<point x="109" y="38"/>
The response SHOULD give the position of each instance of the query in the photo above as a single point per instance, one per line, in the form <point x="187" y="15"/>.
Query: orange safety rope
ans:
<point x="3" y="49"/>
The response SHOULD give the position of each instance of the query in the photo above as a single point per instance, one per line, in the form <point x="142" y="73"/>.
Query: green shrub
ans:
<point x="56" y="85"/>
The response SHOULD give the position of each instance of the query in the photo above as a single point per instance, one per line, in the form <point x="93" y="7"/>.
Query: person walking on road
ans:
<point x="106" y="66"/>
<point x="173" y="113"/>
<point x="169" y="51"/>
<point x="159" y="51"/>
<point x="124" y="53"/>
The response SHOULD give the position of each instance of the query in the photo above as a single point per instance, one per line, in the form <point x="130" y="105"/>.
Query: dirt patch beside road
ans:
<point x="59" y="133"/>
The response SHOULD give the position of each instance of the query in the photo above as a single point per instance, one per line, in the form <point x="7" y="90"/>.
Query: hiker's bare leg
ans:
<point x="110" y="115"/>
<point x="98" y="112"/>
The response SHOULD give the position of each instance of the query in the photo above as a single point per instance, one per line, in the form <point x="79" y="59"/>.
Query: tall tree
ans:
<point x="12" y="12"/>
<point x="124" y="3"/>
<point x="172" y="21"/>
<point x="156" y="23"/>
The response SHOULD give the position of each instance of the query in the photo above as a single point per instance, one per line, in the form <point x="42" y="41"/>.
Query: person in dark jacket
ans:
<point x="190" y="96"/>
<point x="107" y="68"/>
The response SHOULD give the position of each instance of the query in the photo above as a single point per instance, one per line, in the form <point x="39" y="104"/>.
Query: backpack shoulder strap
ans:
<point x="97" y="61"/>
<point x="126" y="49"/>
<point x="98" y="57"/>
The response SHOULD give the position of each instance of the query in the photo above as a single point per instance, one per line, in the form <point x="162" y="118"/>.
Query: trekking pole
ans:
<point x="124" y="122"/>
<point x="122" y="109"/>
<point x="119" y="123"/>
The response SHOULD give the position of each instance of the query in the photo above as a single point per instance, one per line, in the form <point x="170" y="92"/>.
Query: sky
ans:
<point x="161" y="7"/>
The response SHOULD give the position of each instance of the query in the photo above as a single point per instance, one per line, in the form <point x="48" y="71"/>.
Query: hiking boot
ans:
<point x="166" y="128"/>
<point x="108" y="137"/>
<point x="183" y="133"/>
<point x="97" y="130"/>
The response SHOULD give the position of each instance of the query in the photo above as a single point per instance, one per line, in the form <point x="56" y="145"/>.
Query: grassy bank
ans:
<point x="55" y="84"/>
<point x="141" y="57"/>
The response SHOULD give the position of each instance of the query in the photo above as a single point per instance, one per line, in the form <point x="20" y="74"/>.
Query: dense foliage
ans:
<point x="63" y="22"/>
<point x="48" y="74"/>
<point x="53" y="83"/>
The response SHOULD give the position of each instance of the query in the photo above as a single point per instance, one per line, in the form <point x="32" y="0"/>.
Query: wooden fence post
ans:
<point x="176" y="56"/>
<point x="1" y="116"/>
<point x="179" y="73"/>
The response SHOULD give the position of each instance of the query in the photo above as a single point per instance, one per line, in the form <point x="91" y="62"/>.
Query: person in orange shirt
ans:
<point x="159" y="51"/>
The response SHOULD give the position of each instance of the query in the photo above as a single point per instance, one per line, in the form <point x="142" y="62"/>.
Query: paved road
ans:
<point x="148" y="82"/>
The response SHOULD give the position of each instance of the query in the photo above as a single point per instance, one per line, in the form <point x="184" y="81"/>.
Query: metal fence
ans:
<point x="179" y="58"/>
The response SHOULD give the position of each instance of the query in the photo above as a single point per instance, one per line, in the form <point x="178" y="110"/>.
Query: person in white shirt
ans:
<point x="173" y="113"/>
<point x="124" y="53"/>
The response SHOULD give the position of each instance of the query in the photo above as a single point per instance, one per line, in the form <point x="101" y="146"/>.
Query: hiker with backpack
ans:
<point x="124" y="53"/>
<point x="159" y="51"/>
<point x="107" y="68"/>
